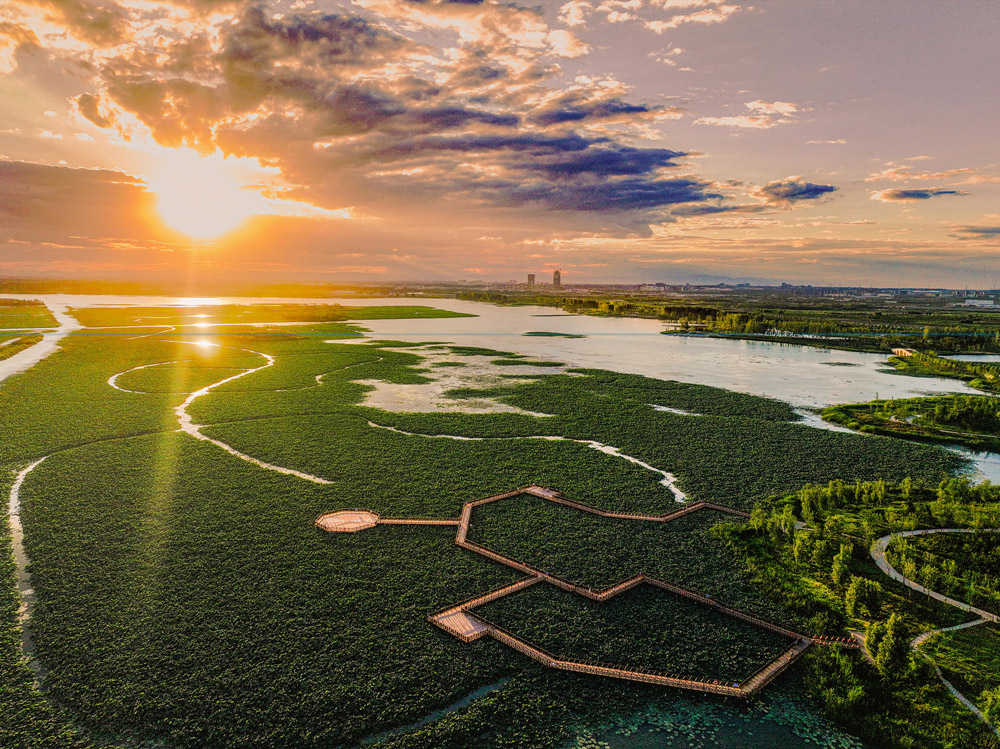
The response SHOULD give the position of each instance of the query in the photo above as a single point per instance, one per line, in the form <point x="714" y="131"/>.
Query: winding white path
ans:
<point x="17" y="540"/>
<point x="668" y="480"/>
<point x="113" y="379"/>
<point x="878" y="551"/>
<point x="188" y="426"/>
<point x="878" y="554"/>
<point x="28" y="358"/>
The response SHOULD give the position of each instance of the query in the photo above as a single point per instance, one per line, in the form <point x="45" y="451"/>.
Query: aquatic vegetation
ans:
<point x="598" y="552"/>
<point x="23" y="313"/>
<point x="18" y="344"/>
<point x="161" y="556"/>
<point x="645" y="628"/>
<point x="210" y="315"/>
<point x="549" y="334"/>
<point x="970" y="420"/>
<point x="525" y="363"/>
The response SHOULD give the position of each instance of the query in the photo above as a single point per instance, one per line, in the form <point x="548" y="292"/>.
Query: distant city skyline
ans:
<point x="831" y="142"/>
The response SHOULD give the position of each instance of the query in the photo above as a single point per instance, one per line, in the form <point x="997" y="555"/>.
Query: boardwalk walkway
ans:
<point x="462" y="622"/>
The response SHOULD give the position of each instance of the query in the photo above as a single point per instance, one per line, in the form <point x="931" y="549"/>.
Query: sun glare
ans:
<point x="202" y="196"/>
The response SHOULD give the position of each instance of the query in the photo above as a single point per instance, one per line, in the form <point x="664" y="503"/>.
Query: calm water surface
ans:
<point x="800" y="375"/>
<point x="803" y="376"/>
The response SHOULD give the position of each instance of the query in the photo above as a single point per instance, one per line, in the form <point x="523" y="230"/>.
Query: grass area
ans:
<point x="972" y="421"/>
<point x="644" y="628"/>
<point x="898" y="702"/>
<point x="962" y="566"/>
<point x="979" y="375"/>
<point x="212" y="612"/>
<point x="16" y="313"/>
<point x="18" y="345"/>
<point x="598" y="552"/>
<point x="969" y="659"/>
<point x="234" y="314"/>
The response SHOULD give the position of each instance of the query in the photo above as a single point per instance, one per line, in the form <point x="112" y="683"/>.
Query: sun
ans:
<point x="203" y="196"/>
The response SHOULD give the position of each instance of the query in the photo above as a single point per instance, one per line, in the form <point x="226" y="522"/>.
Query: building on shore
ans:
<point x="556" y="279"/>
<point x="531" y="281"/>
<point x="903" y="352"/>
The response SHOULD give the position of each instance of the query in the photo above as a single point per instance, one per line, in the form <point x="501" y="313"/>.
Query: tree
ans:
<point x="874" y="637"/>
<point x="831" y="678"/>
<point x="893" y="650"/>
<point x="822" y="553"/>
<point x="862" y="598"/>
<point x="990" y="699"/>
<point x="802" y="546"/>
<point x="839" y="569"/>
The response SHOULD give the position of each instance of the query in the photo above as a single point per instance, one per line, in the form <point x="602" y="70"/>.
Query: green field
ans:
<point x="596" y="552"/>
<point x="212" y="612"/>
<point x="16" y="313"/>
<point x="645" y="629"/>
<point x="969" y="420"/>
<point x="969" y="658"/>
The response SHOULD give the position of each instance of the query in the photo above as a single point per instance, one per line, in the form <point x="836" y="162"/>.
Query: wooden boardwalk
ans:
<point x="351" y="521"/>
<point x="459" y="620"/>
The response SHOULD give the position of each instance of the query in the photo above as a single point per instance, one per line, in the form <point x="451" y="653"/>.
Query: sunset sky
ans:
<point x="845" y="142"/>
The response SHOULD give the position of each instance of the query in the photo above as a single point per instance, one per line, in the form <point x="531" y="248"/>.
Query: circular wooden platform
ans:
<point x="347" y="521"/>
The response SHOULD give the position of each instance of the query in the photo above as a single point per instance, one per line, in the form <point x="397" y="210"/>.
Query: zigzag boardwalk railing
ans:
<point x="470" y="626"/>
<point x="767" y="674"/>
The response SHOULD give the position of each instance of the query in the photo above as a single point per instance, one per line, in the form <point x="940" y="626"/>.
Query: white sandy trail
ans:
<point x="163" y="331"/>
<point x="878" y="553"/>
<point x="882" y="544"/>
<point x="28" y="358"/>
<point x="27" y="593"/>
<point x="188" y="426"/>
<point x="668" y="480"/>
<point x="113" y="379"/>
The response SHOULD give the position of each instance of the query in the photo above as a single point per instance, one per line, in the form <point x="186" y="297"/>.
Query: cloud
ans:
<point x="499" y="27"/>
<point x="576" y="108"/>
<point x="38" y="200"/>
<point x="575" y="12"/>
<point x="977" y="232"/>
<point x="716" y="14"/>
<point x="905" y="173"/>
<point x="837" y="142"/>
<point x="356" y="114"/>
<point x="791" y="190"/>
<point x="103" y="24"/>
<point x="89" y="106"/>
<point x="763" y="115"/>
<point x="772" y="107"/>
<point x="906" y="196"/>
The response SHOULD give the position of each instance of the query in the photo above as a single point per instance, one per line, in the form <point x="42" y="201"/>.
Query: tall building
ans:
<point x="556" y="279"/>
<point x="531" y="281"/>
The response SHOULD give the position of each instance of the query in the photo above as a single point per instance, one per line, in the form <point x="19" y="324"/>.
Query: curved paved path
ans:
<point x="878" y="554"/>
